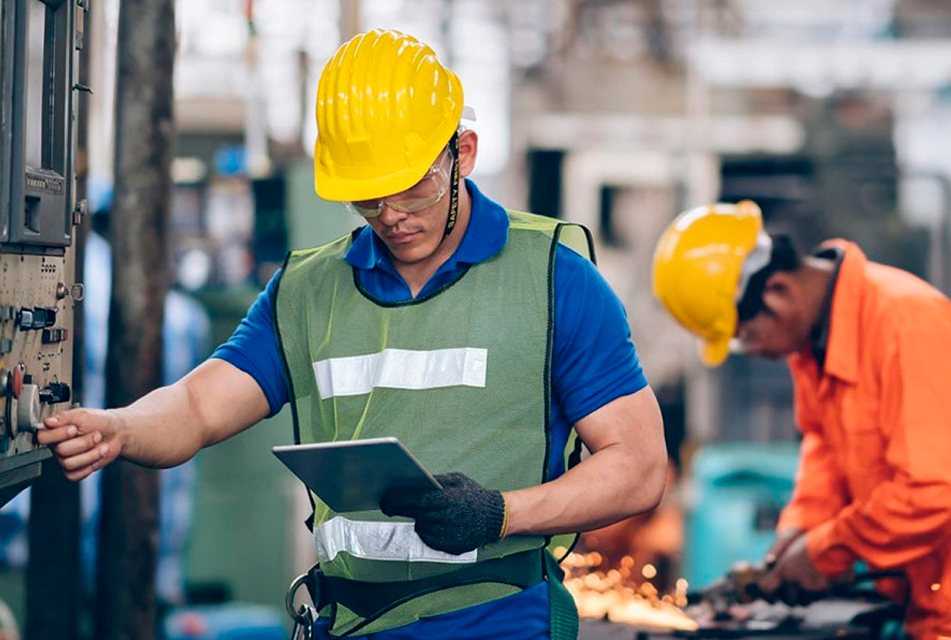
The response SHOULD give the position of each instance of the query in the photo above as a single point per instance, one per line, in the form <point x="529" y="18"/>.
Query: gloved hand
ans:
<point x="460" y="517"/>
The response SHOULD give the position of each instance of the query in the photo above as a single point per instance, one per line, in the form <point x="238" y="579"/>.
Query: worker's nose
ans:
<point x="742" y="331"/>
<point x="390" y="216"/>
<point x="743" y="341"/>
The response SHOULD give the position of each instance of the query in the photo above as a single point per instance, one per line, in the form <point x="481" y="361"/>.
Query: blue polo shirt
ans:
<point x="593" y="362"/>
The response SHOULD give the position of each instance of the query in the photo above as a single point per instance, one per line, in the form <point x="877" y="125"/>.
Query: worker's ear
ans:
<point x="468" y="150"/>
<point x="780" y="291"/>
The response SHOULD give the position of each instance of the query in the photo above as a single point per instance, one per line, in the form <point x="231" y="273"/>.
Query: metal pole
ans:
<point x="144" y="135"/>
<point x="349" y="19"/>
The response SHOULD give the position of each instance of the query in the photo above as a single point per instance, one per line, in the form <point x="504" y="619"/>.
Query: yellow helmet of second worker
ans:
<point x="386" y="107"/>
<point x="698" y="268"/>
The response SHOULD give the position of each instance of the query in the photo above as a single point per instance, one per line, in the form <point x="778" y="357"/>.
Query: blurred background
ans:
<point x="833" y="115"/>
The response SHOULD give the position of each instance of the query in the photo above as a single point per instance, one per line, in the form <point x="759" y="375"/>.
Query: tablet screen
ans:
<point x="353" y="475"/>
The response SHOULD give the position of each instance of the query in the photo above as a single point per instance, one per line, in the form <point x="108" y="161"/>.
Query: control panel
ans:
<point x="39" y="41"/>
<point x="37" y="301"/>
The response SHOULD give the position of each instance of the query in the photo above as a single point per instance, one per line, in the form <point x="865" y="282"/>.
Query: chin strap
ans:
<point x="453" y="186"/>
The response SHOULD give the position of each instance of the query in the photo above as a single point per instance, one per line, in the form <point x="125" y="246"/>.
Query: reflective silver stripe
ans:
<point x="401" y="369"/>
<point x="379" y="541"/>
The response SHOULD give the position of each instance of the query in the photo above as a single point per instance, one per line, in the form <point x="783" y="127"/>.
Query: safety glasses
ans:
<point x="428" y="191"/>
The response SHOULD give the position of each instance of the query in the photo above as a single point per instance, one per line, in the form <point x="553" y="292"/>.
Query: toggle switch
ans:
<point x="39" y="318"/>
<point x="43" y="317"/>
<point x="54" y="393"/>
<point x="25" y="319"/>
<point x="54" y="335"/>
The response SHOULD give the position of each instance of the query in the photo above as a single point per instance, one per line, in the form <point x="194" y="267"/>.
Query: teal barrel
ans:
<point x="734" y="496"/>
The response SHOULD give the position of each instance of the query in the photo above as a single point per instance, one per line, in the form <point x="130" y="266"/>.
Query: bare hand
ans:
<point x="83" y="440"/>
<point x="794" y="578"/>
<point x="784" y="538"/>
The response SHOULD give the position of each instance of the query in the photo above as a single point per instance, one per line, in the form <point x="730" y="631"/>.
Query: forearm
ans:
<point x="161" y="429"/>
<point x="820" y="491"/>
<point x="170" y="425"/>
<point x="612" y="484"/>
<point x="897" y="524"/>
<point x="624" y="475"/>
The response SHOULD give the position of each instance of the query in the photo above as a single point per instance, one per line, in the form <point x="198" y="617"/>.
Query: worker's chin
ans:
<point x="410" y="253"/>
<point x="412" y="249"/>
<point x="752" y="352"/>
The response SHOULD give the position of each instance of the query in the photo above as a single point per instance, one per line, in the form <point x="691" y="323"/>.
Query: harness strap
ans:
<point x="371" y="599"/>
<point x="563" y="613"/>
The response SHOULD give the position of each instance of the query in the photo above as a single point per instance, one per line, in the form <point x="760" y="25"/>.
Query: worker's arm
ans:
<point x="908" y="514"/>
<point x="598" y="383"/>
<point x="820" y="492"/>
<point x="163" y="428"/>
<point x="624" y="475"/>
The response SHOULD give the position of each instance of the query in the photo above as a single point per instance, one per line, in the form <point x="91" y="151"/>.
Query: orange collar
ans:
<point x="843" y="348"/>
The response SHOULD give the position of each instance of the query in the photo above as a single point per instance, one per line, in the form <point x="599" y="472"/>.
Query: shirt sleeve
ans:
<point x="594" y="360"/>
<point x="821" y="490"/>
<point x="906" y="516"/>
<point x="253" y="348"/>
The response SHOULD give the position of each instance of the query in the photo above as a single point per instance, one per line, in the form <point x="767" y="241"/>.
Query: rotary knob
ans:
<point x="28" y="408"/>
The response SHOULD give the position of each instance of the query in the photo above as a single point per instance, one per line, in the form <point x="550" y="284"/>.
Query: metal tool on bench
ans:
<point x="741" y="585"/>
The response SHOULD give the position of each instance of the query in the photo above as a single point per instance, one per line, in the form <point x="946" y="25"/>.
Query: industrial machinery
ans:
<point x="39" y="40"/>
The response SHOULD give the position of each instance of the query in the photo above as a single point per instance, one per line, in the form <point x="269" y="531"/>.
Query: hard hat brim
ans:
<point x="713" y="352"/>
<point x="336" y="188"/>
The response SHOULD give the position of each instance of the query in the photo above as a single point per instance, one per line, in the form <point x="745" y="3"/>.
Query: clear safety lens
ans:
<point x="425" y="193"/>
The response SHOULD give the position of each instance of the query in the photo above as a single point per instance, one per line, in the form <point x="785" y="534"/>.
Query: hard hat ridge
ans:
<point x="386" y="107"/>
<point x="698" y="268"/>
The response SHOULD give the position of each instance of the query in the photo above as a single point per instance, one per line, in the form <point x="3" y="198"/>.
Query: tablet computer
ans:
<point x="353" y="475"/>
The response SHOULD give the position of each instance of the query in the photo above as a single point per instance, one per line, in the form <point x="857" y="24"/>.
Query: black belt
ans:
<point x="371" y="599"/>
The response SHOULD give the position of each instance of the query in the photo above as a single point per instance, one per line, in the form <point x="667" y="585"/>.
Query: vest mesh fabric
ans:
<point x="497" y="434"/>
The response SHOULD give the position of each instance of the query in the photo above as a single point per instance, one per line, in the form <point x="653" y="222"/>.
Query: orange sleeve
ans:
<point x="820" y="491"/>
<point x="905" y="517"/>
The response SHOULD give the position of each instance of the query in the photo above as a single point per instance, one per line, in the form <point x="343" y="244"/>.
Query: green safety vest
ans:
<point x="462" y="378"/>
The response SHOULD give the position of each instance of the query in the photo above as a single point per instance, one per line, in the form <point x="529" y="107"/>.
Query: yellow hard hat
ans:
<point x="386" y="107"/>
<point x="698" y="267"/>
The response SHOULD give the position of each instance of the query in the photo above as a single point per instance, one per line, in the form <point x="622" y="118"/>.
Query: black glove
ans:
<point x="460" y="517"/>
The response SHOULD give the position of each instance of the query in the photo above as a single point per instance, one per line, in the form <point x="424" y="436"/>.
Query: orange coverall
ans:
<point x="874" y="481"/>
